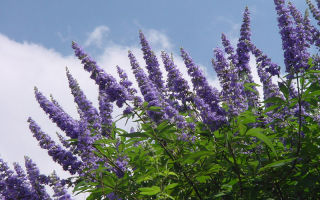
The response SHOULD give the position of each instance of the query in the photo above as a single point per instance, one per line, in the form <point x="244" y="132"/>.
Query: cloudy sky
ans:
<point x="35" y="48"/>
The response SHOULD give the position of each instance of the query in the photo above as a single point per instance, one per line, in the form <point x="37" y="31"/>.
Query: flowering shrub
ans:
<point x="190" y="142"/>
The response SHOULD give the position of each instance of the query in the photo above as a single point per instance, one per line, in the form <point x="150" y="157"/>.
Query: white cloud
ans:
<point x="96" y="36"/>
<point x="158" y="39"/>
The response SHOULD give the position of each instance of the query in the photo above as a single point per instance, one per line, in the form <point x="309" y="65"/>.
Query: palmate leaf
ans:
<point x="257" y="132"/>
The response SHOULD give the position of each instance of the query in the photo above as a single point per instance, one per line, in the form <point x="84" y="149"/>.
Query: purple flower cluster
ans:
<point x="147" y="88"/>
<point x="153" y="68"/>
<point x="105" y="108"/>
<point x="36" y="180"/>
<point x="137" y="101"/>
<point x="232" y="89"/>
<point x="243" y="56"/>
<point x="293" y="40"/>
<point x="116" y="92"/>
<point x="89" y="111"/>
<point x="60" y="192"/>
<point x="215" y="115"/>
<point x="26" y="186"/>
<point x="65" y="158"/>
<point x="58" y="116"/>
<point x="315" y="11"/>
<point x="263" y="62"/>
<point x="14" y="186"/>
<point x="312" y="33"/>
<point x="175" y="82"/>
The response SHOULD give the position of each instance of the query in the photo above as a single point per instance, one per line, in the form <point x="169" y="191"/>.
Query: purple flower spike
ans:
<point x="269" y="89"/>
<point x="105" y="108"/>
<point x="106" y="82"/>
<point x="203" y="90"/>
<point x="85" y="145"/>
<point x="229" y="49"/>
<point x="60" y="192"/>
<point x="293" y="41"/>
<point x="312" y="33"/>
<point x="89" y="112"/>
<point x="112" y="196"/>
<point x="14" y="186"/>
<point x="243" y="51"/>
<point x="315" y="11"/>
<point x="147" y="88"/>
<point x="58" y="116"/>
<point x="175" y="82"/>
<point x="232" y="89"/>
<point x="127" y="84"/>
<point x="36" y="180"/>
<point x="65" y="158"/>
<point x="153" y="68"/>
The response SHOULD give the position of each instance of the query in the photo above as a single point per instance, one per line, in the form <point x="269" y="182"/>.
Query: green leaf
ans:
<point x="193" y="157"/>
<point x="202" y="179"/>
<point x="171" y="186"/>
<point x="277" y="100"/>
<point x="278" y="163"/>
<point x="242" y="129"/>
<point x="284" y="89"/>
<point x="249" y="86"/>
<point x="135" y="134"/>
<point x="310" y="63"/>
<point x="150" y="190"/>
<point x="257" y="132"/>
<point x="155" y="108"/>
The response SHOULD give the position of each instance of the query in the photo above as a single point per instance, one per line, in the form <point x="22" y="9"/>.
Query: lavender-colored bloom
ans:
<point x="312" y="33"/>
<point x="105" y="108"/>
<point x="58" y="116"/>
<point x="14" y="186"/>
<point x="232" y="89"/>
<point x="106" y="82"/>
<point x="293" y="41"/>
<point x="229" y="49"/>
<point x="125" y="82"/>
<point x="35" y="179"/>
<point x="85" y="145"/>
<point x="63" y="141"/>
<point x="128" y="110"/>
<point x="315" y="11"/>
<point x="121" y="166"/>
<point x="208" y="117"/>
<point x="303" y="34"/>
<point x="137" y="101"/>
<point x="152" y="96"/>
<point x="269" y="89"/>
<point x="204" y="91"/>
<point x="60" y="192"/>
<point x="147" y="88"/>
<point x="153" y="68"/>
<point x="89" y="111"/>
<point x="175" y="82"/>
<point x="112" y="196"/>
<point x="65" y="158"/>
<point x="243" y="55"/>
<point x="55" y="102"/>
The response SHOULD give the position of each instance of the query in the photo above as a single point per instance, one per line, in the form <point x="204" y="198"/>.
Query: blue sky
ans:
<point x="195" y="25"/>
<point x="35" y="48"/>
